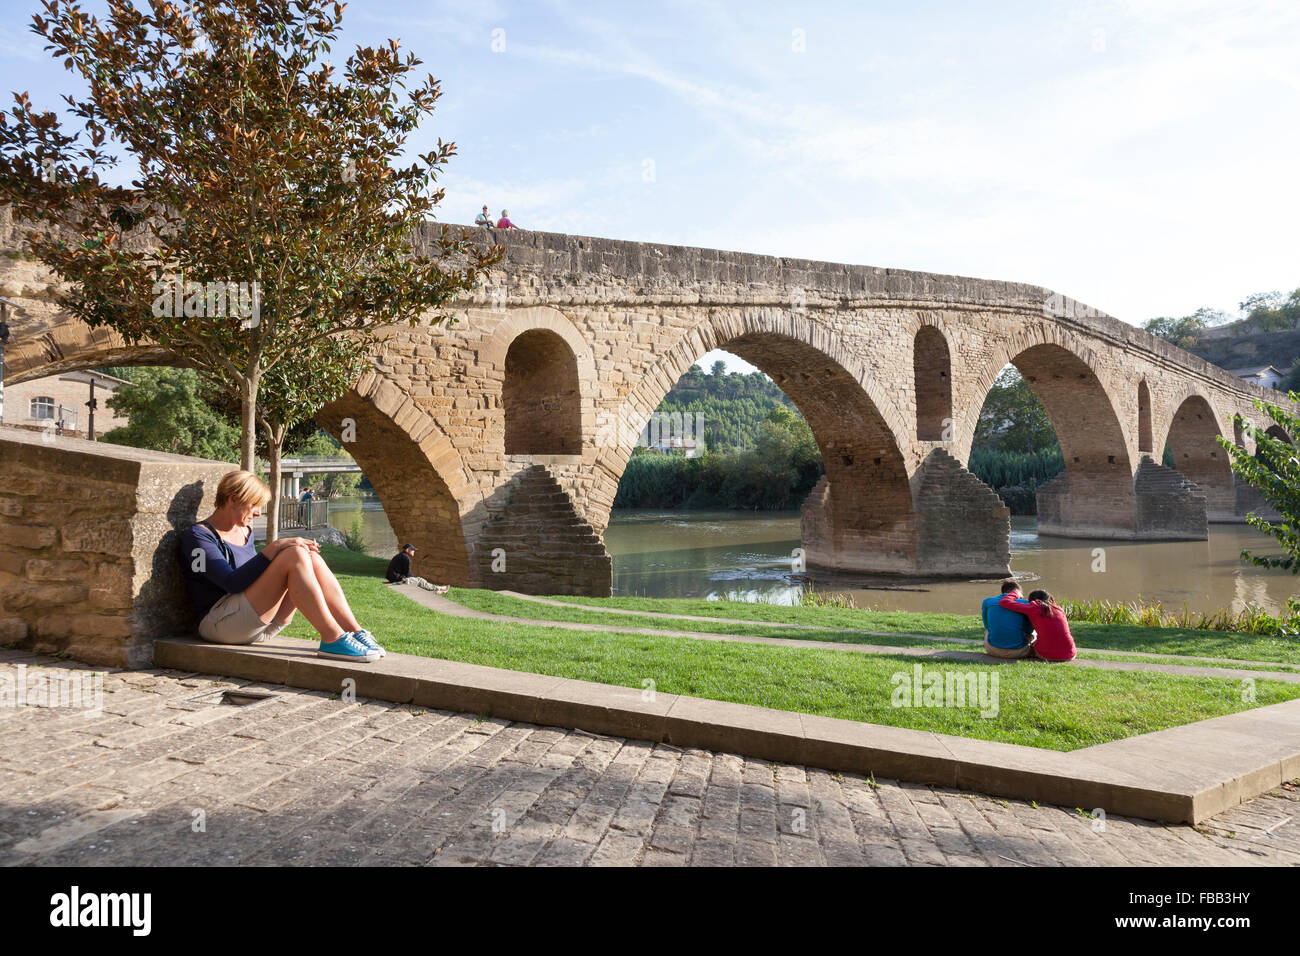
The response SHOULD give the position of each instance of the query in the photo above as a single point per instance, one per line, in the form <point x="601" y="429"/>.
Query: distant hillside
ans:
<point x="1243" y="344"/>
<point x="1269" y="335"/>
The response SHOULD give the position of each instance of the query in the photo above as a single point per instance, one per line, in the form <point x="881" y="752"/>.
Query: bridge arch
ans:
<point x="416" y="471"/>
<point x="541" y="360"/>
<point x="932" y="375"/>
<point x="1192" y="436"/>
<point x="1094" y="495"/>
<point x="863" y="510"/>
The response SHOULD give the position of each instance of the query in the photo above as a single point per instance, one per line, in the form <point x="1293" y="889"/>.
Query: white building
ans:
<point x="60" y="403"/>
<point x="1265" y="375"/>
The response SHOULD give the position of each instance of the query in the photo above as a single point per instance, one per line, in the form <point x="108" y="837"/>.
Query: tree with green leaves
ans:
<point x="1185" y="332"/>
<point x="1012" y="418"/>
<point x="166" y="411"/>
<point x="1274" y="471"/>
<point x="270" y="217"/>
<point x="1272" y="312"/>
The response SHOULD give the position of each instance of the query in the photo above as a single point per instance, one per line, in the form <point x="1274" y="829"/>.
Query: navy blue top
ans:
<point x="209" y="576"/>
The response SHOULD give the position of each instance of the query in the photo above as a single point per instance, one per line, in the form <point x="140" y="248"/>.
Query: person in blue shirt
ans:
<point x="241" y="596"/>
<point x="1006" y="633"/>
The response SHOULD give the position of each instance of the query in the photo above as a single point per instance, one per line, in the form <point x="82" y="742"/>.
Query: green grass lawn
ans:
<point x="1041" y="705"/>
<point x="1171" y="641"/>
<point x="494" y="602"/>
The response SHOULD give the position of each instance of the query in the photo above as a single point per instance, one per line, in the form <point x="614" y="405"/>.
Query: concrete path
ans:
<point x="443" y="605"/>
<point x="162" y="778"/>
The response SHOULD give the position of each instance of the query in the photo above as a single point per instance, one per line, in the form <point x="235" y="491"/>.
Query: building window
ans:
<point x="42" y="407"/>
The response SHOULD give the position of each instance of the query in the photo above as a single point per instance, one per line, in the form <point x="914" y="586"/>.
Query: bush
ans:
<point x="355" y="539"/>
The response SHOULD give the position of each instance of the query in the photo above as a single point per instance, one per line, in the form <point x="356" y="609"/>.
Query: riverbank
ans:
<point x="1054" y="707"/>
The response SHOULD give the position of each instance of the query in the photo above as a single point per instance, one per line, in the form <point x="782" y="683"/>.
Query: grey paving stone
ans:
<point x="307" y="779"/>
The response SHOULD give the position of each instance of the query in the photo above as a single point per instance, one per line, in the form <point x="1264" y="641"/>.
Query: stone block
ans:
<point x="111" y="536"/>
<point x="32" y="537"/>
<point x="40" y="569"/>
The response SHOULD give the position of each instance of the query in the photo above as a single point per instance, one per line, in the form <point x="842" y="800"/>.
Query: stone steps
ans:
<point x="548" y="548"/>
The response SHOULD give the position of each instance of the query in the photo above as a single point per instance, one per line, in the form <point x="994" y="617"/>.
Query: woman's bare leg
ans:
<point x="282" y="614"/>
<point x="333" y="592"/>
<point x="292" y="575"/>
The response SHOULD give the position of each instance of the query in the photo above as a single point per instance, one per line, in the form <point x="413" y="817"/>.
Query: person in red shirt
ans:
<point x="504" y="222"/>
<point x="1055" y="643"/>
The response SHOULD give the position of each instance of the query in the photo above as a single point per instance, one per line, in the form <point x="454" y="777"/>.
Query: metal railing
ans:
<point x="303" y="515"/>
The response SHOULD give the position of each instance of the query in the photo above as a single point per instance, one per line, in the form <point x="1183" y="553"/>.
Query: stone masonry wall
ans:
<point x="87" y="545"/>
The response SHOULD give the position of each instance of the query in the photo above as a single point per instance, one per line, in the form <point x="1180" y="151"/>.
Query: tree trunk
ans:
<point x="274" y="442"/>
<point x="248" y="425"/>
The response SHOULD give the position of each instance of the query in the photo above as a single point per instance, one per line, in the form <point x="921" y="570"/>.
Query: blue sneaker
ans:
<point x="347" y="648"/>
<point x="366" y="638"/>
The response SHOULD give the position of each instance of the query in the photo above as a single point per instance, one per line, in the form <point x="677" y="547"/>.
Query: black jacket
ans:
<point x="399" y="569"/>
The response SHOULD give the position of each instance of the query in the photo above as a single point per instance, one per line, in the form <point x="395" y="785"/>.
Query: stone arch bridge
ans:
<point x="497" y="443"/>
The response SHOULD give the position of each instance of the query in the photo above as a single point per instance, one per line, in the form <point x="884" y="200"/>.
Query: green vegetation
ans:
<point x="733" y="407"/>
<point x="173" y="410"/>
<point x="1249" y="620"/>
<point x="777" y="472"/>
<point x="1038" y="705"/>
<point x="277" y="193"/>
<point x="1017" y="476"/>
<point x="355" y="538"/>
<point x="1185" y="332"/>
<point x="1274" y="471"/>
<point x="166" y="412"/>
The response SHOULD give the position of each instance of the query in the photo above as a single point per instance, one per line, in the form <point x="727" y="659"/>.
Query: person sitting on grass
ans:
<point x="1055" y="642"/>
<point x="399" y="572"/>
<point x="241" y="596"/>
<point x="1006" y="634"/>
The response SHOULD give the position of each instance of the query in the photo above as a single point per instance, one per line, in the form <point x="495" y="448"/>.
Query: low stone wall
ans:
<point x="88" y="545"/>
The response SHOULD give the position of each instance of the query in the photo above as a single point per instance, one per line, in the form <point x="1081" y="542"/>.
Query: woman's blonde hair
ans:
<point x="243" y="487"/>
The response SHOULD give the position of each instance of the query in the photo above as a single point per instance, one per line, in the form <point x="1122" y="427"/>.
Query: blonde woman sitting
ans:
<point x="241" y="596"/>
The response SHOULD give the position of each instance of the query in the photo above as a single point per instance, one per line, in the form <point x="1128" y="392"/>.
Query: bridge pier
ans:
<point x="1170" y="507"/>
<point x="536" y="543"/>
<point x="1083" y="503"/>
<point x="959" y="527"/>
<point x="1247" y="500"/>
<point x="1159" y="504"/>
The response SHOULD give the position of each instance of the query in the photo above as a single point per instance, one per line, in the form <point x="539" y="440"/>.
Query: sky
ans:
<point x="1137" y="155"/>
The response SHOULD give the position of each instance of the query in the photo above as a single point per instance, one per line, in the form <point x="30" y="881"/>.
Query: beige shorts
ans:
<point x="232" y="620"/>
<point x="1010" y="653"/>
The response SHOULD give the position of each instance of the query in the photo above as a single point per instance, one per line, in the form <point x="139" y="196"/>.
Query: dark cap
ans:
<point x="408" y="547"/>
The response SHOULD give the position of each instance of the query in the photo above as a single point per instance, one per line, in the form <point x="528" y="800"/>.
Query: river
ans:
<point x="747" y="555"/>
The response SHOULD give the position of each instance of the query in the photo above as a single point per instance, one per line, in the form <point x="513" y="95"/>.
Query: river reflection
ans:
<point x="710" y="554"/>
<point x="748" y="555"/>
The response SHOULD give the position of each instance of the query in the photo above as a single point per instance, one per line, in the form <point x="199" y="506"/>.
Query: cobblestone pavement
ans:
<point x="304" y="778"/>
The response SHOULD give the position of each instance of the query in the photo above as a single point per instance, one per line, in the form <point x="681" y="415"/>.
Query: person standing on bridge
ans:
<point x="504" y="222"/>
<point x="241" y="596"/>
<point x="484" y="218"/>
<point x="307" y="494"/>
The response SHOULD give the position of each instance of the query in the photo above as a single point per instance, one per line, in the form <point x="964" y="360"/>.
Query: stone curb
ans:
<point x="1184" y="774"/>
